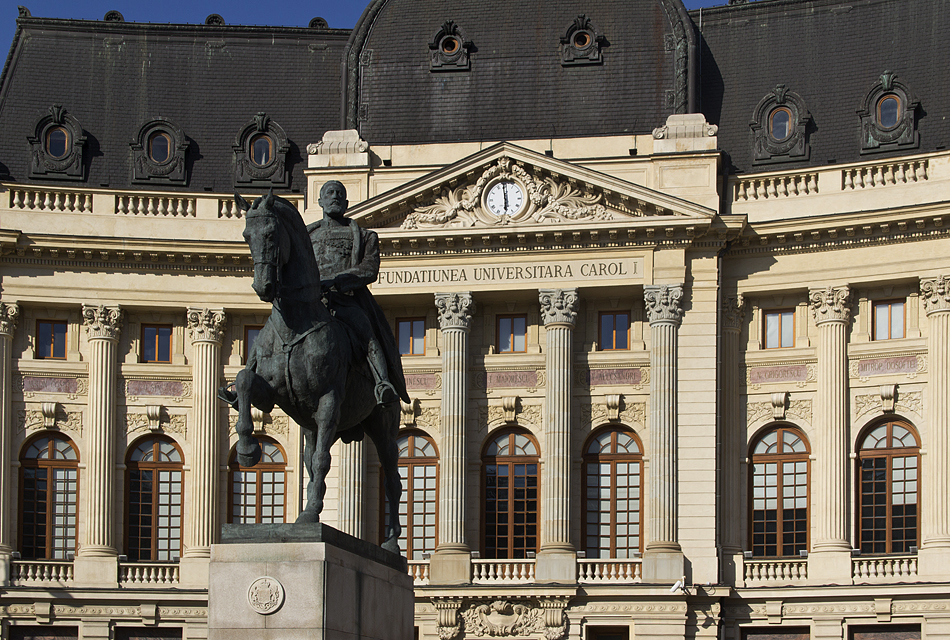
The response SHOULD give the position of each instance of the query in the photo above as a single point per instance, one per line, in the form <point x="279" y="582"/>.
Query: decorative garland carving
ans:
<point x="596" y="414"/>
<point x="271" y="425"/>
<point x="756" y="411"/>
<point x="511" y="620"/>
<point x="136" y="422"/>
<point x="912" y="401"/>
<point x="62" y="420"/>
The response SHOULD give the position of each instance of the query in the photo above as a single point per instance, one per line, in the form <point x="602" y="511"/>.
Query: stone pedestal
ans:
<point x="295" y="581"/>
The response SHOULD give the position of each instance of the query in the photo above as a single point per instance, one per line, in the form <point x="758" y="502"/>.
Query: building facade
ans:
<point x="672" y="298"/>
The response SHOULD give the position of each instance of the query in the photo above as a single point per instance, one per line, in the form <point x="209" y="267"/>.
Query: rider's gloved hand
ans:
<point x="346" y="282"/>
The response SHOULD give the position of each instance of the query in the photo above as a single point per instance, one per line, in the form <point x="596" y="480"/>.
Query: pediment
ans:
<point x="554" y="192"/>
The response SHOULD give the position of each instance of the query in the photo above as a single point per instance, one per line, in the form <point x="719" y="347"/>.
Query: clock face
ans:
<point x="505" y="198"/>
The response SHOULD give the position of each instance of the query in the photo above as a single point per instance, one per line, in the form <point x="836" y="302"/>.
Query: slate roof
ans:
<point x="209" y="80"/>
<point x="516" y="87"/>
<point x="830" y="52"/>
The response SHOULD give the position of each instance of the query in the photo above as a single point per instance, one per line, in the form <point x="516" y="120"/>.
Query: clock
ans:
<point x="505" y="198"/>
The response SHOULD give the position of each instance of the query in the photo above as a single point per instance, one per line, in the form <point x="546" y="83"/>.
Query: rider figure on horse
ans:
<point x="348" y="258"/>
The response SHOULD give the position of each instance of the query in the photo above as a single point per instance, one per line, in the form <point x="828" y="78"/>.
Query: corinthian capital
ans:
<point x="9" y="315"/>
<point x="455" y="310"/>
<point x="936" y="294"/>
<point x="206" y="325"/>
<point x="663" y="303"/>
<point x="831" y="304"/>
<point x="102" y="321"/>
<point x="558" y="306"/>
<point x="733" y="311"/>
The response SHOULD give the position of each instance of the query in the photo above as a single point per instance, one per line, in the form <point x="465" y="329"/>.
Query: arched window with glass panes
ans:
<point x="49" y="492"/>
<point x="888" y="489"/>
<point x="780" y="511"/>
<point x="613" y="490"/>
<point x="419" y="472"/>
<point x="258" y="494"/>
<point x="510" y="487"/>
<point x="153" y="500"/>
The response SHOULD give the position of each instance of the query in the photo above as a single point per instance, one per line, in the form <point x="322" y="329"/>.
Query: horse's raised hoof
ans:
<point x="307" y="517"/>
<point x="392" y="545"/>
<point x="249" y="458"/>
<point x="224" y="393"/>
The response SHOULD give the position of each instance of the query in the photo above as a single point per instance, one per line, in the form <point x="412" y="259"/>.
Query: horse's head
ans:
<point x="268" y="242"/>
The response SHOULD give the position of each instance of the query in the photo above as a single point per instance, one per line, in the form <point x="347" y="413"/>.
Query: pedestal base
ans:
<point x="556" y="567"/>
<point x="290" y="581"/>
<point x="663" y="566"/>
<point x="933" y="564"/>
<point x="96" y="571"/>
<point x="450" y="566"/>
<point x="829" y="567"/>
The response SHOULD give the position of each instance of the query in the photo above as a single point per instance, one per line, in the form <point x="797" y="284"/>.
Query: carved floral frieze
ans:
<point x="598" y="413"/>
<point x="58" y="418"/>
<point x="139" y="422"/>
<point x="757" y="411"/>
<point x="912" y="401"/>
<point x="503" y="619"/>
<point x="524" y="415"/>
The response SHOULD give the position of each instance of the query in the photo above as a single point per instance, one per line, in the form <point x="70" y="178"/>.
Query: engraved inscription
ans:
<point x="614" y="376"/>
<point x="172" y="388"/>
<point x="421" y="381"/>
<point x="786" y="373"/>
<point x="885" y="366"/>
<point x="510" y="379"/>
<point x="50" y="385"/>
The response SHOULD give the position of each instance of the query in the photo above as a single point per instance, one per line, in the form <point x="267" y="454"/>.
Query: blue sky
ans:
<point x="341" y="14"/>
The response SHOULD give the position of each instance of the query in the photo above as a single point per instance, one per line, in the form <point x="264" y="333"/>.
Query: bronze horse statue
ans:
<point x="305" y="362"/>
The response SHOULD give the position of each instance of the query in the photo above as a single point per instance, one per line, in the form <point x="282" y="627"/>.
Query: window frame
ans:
<point x="46" y="142"/>
<point x="155" y="467"/>
<point x="487" y="460"/>
<point x="512" y="334"/>
<point x="411" y="462"/>
<point x="874" y="324"/>
<point x="157" y="327"/>
<point x="877" y="111"/>
<point x="887" y="453"/>
<point x="411" y="322"/>
<point x="169" y="154"/>
<point x="765" y="327"/>
<point x="261" y="467"/>
<point x="600" y="331"/>
<point x="612" y="458"/>
<point x="47" y="463"/>
<point x="779" y="459"/>
<point x="252" y="142"/>
<point x="246" y="347"/>
<point x="38" y="352"/>
<point x="789" y="125"/>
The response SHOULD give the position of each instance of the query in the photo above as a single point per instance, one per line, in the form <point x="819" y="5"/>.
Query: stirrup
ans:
<point x="386" y="393"/>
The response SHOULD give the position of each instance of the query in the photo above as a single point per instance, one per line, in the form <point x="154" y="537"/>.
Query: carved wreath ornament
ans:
<point x="548" y="201"/>
<point x="504" y="619"/>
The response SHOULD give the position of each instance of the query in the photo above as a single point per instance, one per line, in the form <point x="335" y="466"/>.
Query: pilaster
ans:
<point x="451" y="563"/>
<point x="830" y="560"/>
<point x="9" y="315"/>
<point x="732" y="429"/>
<point x="663" y="559"/>
<point x="557" y="561"/>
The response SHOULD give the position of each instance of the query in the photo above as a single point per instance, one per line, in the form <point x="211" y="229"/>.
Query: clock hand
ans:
<point x="504" y="190"/>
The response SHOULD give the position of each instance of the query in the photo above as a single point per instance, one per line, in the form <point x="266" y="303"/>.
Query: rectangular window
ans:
<point x="512" y="331"/>
<point x="779" y="329"/>
<point x="156" y="343"/>
<point x="411" y="335"/>
<point x="888" y="320"/>
<point x="614" y="331"/>
<point x="51" y="339"/>
<point x="250" y="337"/>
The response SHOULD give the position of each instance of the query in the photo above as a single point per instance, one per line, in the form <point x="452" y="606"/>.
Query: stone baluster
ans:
<point x="935" y="552"/>
<point x="206" y="329"/>
<point x="97" y="556"/>
<point x="9" y="315"/>
<point x="732" y="429"/>
<point x="351" y="468"/>
<point x="830" y="560"/>
<point x="663" y="557"/>
<point x="451" y="563"/>
<point x="556" y="561"/>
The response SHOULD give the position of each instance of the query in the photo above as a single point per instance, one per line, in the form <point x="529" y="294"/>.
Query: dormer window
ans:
<point x="56" y="146"/>
<point x="888" y="111"/>
<point x="449" y="49"/>
<point x="159" y="147"/>
<point x="158" y="153"/>
<point x="888" y="116"/>
<point x="57" y="142"/>
<point x="262" y="150"/>
<point x="260" y="154"/>
<point x="780" y="124"/>
<point x="780" y="128"/>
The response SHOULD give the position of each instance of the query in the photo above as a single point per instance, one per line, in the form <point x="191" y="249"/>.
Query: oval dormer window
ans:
<point x="889" y="111"/>
<point x="262" y="150"/>
<point x="780" y="124"/>
<point x="159" y="147"/>
<point x="57" y="143"/>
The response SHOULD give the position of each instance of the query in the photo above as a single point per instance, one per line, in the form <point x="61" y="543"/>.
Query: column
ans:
<point x="934" y="560"/>
<point x="830" y="560"/>
<point x="350" y="515"/>
<point x="663" y="558"/>
<point x="557" y="559"/>
<point x="206" y="329"/>
<point x="451" y="563"/>
<point x="9" y="315"/>
<point x="96" y="561"/>
<point x="733" y="436"/>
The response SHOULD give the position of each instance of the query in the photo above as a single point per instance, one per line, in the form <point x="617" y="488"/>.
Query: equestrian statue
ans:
<point x="326" y="355"/>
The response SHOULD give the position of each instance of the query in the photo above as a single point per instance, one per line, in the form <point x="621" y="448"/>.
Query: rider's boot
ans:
<point x="385" y="392"/>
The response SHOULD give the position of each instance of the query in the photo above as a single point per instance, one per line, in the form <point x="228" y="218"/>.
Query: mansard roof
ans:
<point x="113" y="77"/>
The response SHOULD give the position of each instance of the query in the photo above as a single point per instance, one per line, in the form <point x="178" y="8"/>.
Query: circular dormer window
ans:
<point x="582" y="40"/>
<point x="450" y="45"/>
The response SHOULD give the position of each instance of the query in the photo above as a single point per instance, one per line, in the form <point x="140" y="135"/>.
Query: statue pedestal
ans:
<point x="290" y="581"/>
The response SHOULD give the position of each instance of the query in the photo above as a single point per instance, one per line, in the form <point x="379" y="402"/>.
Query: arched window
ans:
<point x="49" y="474"/>
<point x="888" y="494"/>
<point x="418" y="470"/>
<point x="510" y="487"/>
<point x="780" y="493"/>
<point x="613" y="488"/>
<point x="258" y="494"/>
<point x="153" y="503"/>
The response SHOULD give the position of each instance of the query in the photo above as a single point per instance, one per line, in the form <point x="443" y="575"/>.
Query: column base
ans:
<point x="663" y="566"/>
<point x="193" y="572"/>
<point x="934" y="563"/>
<point x="5" y="567"/>
<point x="732" y="569"/>
<point x="556" y="566"/>
<point x="451" y="564"/>
<point x="829" y="567"/>
<point x="96" y="571"/>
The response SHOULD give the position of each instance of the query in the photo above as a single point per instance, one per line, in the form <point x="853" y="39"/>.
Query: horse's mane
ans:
<point x="292" y="222"/>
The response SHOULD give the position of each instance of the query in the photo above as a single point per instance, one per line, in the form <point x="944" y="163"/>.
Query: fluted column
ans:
<point x="732" y="430"/>
<point x="350" y="514"/>
<point x="206" y="328"/>
<point x="103" y="326"/>
<point x="9" y="314"/>
<point x="558" y="311"/>
<point x="935" y="295"/>
<point x="451" y="564"/>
